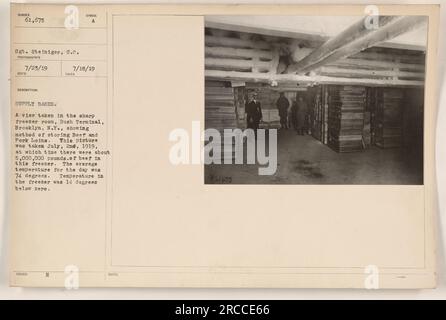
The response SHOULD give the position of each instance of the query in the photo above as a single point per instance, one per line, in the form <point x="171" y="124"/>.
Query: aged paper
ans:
<point x="102" y="94"/>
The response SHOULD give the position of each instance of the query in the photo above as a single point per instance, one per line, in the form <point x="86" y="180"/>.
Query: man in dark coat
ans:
<point x="301" y="113"/>
<point x="283" y="104"/>
<point x="294" y="108"/>
<point x="253" y="113"/>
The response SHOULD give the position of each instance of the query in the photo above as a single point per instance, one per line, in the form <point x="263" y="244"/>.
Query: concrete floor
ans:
<point x="305" y="160"/>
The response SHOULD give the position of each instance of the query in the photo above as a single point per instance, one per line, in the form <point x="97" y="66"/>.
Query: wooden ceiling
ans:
<point x="234" y="53"/>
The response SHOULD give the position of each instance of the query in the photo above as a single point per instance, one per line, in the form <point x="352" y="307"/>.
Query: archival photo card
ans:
<point x="314" y="99"/>
<point x="232" y="146"/>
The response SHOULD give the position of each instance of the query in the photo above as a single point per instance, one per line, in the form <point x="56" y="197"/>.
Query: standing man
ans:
<point x="290" y="115"/>
<point x="253" y="113"/>
<point x="301" y="113"/>
<point x="293" y="115"/>
<point x="283" y="104"/>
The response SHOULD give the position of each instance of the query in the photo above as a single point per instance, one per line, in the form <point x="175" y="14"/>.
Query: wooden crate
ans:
<point x="316" y="110"/>
<point x="346" y="106"/>
<point x="388" y="120"/>
<point x="220" y="111"/>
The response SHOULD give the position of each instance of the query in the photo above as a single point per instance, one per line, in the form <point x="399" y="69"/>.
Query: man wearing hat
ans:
<point x="253" y="112"/>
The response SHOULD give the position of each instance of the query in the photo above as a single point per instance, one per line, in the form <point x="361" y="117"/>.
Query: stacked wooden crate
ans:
<point x="220" y="110"/>
<point x="371" y="93"/>
<point x="346" y="117"/>
<point x="324" y="137"/>
<point x="317" y="113"/>
<point x="389" y="117"/>
<point x="240" y="101"/>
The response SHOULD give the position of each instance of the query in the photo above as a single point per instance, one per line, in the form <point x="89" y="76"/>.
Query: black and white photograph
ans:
<point x="344" y="96"/>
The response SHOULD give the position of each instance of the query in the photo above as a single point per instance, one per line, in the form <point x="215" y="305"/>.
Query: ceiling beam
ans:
<point x="354" y="39"/>
<point x="296" y="79"/>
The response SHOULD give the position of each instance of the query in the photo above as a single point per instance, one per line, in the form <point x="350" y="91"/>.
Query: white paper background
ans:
<point x="34" y="293"/>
